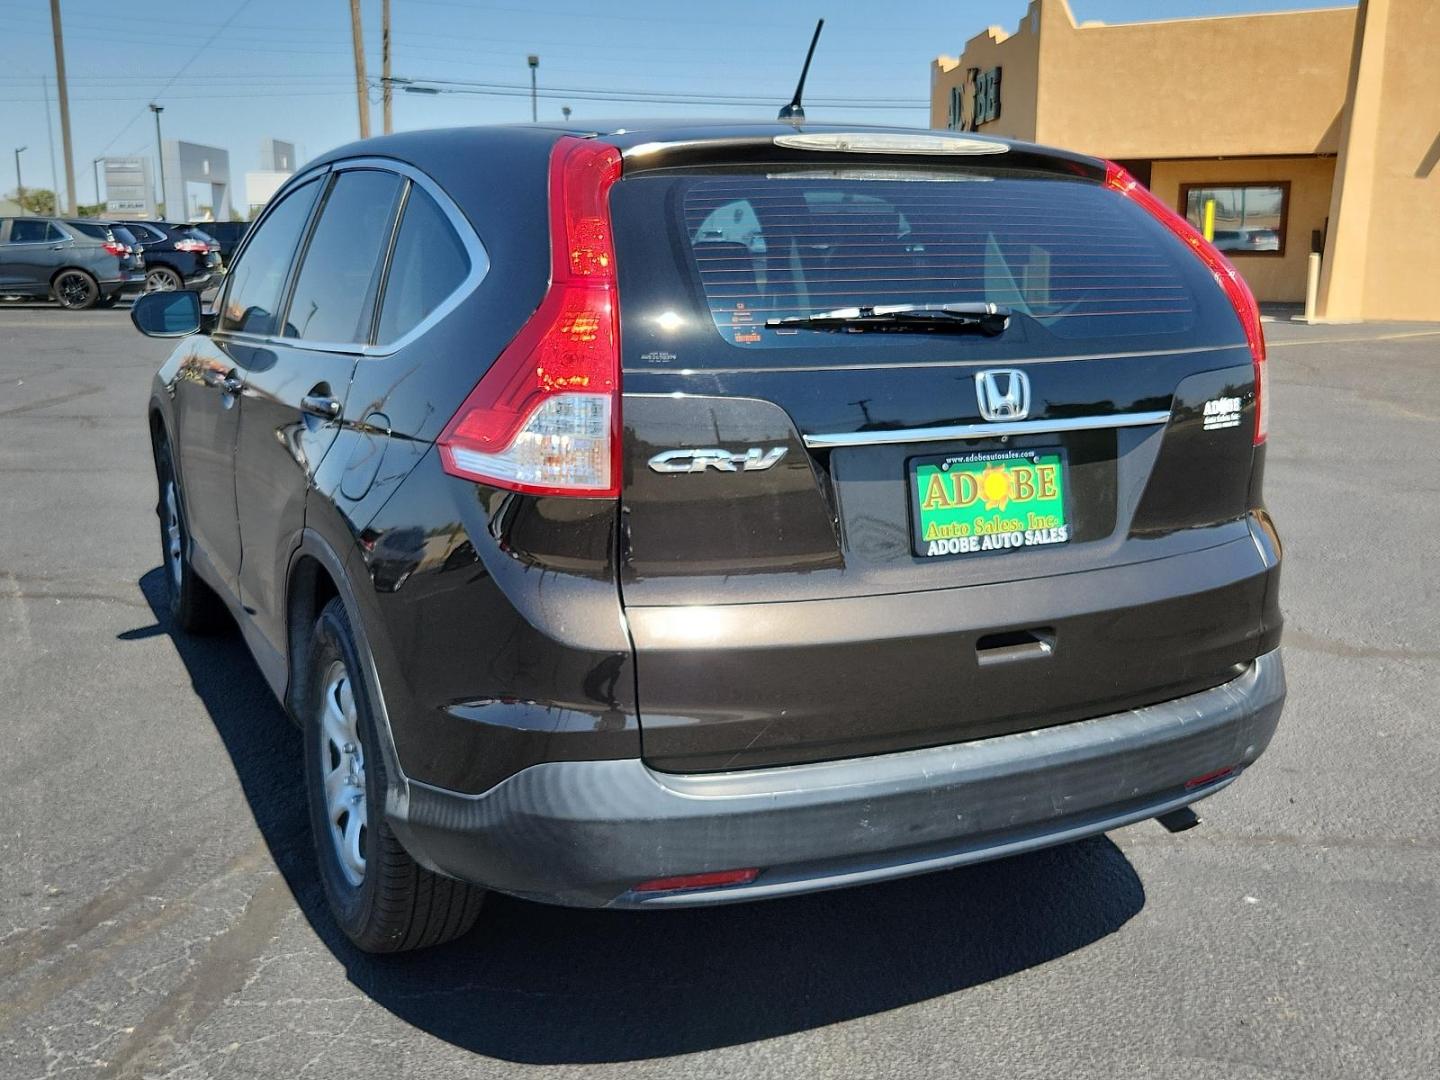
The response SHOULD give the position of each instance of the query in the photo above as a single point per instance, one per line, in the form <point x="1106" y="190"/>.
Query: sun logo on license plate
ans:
<point x="995" y="487"/>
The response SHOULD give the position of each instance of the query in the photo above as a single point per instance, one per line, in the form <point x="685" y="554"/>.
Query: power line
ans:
<point x="183" y="68"/>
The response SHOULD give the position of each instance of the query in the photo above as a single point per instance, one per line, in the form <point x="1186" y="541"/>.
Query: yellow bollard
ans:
<point x="1210" y="220"/>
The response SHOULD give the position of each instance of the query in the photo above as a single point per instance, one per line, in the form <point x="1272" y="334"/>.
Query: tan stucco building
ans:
<point x="1295" y="131"/>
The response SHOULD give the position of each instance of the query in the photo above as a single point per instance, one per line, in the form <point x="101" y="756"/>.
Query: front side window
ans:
<point x="1245" y="219"/>
<point x="34" y="232"/>
<point x="335" y="292"/>
<point x="430" y="263"/>
<point x="253" y="297"/>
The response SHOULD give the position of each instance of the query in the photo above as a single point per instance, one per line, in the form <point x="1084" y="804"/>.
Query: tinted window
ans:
<point x="34" y="232"/>
<point x="1067" y="255"/>
<point x="124" y="235"/>
<point x="255" y="284"/>
<point x="335" y="292"/>
<point x="429" y="264"/>
<point x="91" y="228"/>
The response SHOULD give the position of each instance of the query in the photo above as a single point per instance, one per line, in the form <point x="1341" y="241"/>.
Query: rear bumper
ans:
<point x="582" y="833"/>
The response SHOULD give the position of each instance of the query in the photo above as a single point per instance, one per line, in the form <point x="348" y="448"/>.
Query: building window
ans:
<point x="1249" y="219"/>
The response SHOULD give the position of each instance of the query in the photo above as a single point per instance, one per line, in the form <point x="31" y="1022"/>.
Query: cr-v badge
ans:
<point x="1003" y="393"/>
<point x="752" y="459"/>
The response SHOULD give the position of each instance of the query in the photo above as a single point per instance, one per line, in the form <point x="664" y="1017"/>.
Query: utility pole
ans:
<point x="19" y="183"/>
<point x="534" y="62"/>
<point x="385" y="61"/>
<point x="64" y="108"/>
<point x="50" y="140"/>
<point x="362" y="96"/>
<point x="160" y="156"/>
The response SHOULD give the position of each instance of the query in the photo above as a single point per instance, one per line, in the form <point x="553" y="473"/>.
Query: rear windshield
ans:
<point x="1064" y="255"/>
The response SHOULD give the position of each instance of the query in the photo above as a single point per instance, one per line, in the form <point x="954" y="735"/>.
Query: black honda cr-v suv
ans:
<point x="693" y="514"/>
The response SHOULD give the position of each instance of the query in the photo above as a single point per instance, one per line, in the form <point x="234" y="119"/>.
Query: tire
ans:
<point x="193" y="605"/>
<point x="383" y="900"/>
<point x="75" y="290"/>
<point x="162" y="279"/>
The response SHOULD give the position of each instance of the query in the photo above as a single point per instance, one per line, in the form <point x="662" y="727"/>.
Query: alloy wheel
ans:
<point x="73" y="289"/>
<point x="343" y="763"/>
<point x="160" y="280"/>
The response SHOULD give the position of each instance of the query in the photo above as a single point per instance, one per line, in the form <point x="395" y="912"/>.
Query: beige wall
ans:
<point x="1271" y="277"/>
<point x="1383" y="259"/>
<point x="1248" y="85"/>
<point x="1018" y="57"/>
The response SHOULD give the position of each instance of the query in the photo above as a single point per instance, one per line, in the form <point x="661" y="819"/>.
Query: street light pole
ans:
<point x="160" y="156"/>
<point x="19" y="183"/>
<point x="534" y="62"/>
<point x="95" y="166"/>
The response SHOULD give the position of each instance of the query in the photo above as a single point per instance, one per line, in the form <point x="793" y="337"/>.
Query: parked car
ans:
<point x="932" y="534"/>
<point x="226" y="235"/>
<point x="68" y="261"/>
<point x="176" y="257"/>
<point x="112" y="232"/>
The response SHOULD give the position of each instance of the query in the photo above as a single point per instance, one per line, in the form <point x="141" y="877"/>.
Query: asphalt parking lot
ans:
<point x="159" y="914"/>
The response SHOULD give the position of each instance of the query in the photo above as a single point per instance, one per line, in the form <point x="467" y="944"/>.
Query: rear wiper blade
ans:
<point x="988" y="319"/>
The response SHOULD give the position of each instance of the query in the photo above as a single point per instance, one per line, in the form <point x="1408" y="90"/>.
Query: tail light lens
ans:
<point x="197" y="247"/>
<point x="545" y="419"/>
<point x="115" y="248"/>
<point x="1225" y="273"/>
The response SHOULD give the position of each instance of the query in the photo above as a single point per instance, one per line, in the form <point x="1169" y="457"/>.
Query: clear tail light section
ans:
<point x="1225" y="273"/>
<point x="198" y="247"/>
<point x="115" y="248"/>
<point x="545" y="419"/>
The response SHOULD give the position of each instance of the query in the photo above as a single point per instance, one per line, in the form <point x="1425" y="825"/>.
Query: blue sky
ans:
<point x="283" y="68"/>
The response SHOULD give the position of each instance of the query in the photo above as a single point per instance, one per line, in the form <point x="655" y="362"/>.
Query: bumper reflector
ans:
<point x="712" y="880"/>
<point x="1209" y="777"/>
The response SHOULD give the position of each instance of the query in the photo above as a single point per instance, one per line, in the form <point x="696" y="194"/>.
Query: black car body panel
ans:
<point x="725" y="621"/>
<point x="158" y="239"/>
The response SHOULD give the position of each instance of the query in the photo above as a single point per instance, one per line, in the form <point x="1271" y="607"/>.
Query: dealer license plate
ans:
<point x="986" y="500"/>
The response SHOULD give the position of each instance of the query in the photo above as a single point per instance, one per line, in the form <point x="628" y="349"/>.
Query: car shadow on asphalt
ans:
<point x="545" y="985"/>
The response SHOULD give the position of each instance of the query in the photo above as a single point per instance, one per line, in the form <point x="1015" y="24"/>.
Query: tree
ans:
<point x="38" y="201"/>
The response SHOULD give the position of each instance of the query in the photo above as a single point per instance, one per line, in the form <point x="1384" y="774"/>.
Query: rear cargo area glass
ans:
<point x="1065" y="255"/>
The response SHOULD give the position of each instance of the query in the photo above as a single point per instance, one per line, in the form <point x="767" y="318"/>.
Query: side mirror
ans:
<point x="167" y="314"/>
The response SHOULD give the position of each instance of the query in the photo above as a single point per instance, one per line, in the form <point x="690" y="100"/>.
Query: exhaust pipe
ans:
<point x="1179" y="820"/>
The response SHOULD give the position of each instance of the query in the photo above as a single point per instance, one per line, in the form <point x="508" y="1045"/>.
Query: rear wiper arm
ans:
<point x="988" y="319"/>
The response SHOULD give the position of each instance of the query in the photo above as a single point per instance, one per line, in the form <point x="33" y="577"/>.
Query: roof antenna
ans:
<point x="795" y="112"/>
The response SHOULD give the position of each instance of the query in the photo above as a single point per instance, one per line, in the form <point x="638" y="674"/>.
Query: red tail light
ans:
<point x="199" y="247"/>
<point x="1225" y="273"/>
<point x="545" y="419"/>
<point x="115" y="248"/>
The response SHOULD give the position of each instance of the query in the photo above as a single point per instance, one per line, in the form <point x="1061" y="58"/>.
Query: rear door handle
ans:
<point x="320" y="405"/>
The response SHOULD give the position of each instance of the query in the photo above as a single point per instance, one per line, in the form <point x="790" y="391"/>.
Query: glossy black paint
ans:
<point x="709" y="621"/>
<point x="195" y="269"/>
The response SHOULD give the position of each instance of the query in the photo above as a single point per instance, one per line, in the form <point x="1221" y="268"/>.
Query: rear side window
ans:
<point x="1065" y="254"/>
<point x="430" y="263"/>
<point x="252" y="300"/>
<point x="335" y="292"/>
<point x="91" y="229"/>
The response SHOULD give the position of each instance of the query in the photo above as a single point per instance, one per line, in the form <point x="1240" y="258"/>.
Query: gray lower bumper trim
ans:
<point x="584" y="832"/>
